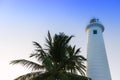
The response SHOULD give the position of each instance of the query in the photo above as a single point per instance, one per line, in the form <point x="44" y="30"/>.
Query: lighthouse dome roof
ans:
<point x="95" y="22"/>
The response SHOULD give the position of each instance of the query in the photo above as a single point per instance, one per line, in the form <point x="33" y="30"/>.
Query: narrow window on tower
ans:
<point x="94" y="31"/>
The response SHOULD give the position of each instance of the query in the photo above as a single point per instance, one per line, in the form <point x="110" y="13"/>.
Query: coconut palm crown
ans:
<point x="57" y="61"/>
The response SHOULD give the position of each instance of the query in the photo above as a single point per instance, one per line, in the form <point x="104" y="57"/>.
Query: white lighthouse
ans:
<point x="98" y="68"/>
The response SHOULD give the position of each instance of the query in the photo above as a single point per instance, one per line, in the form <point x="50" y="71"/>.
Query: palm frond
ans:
<point x="28" y="76"/>
<point x="37" y="44"/>
<point x="42" y="76"/>
<point x="28" y="64"/>
<point x="39" y="54"/>
<point x="77" y="51"/>
<point x="82" y="58"/>
<point x="49" y="39"/>
<point x="81" y="70"/>
<point x="68" y="39"/>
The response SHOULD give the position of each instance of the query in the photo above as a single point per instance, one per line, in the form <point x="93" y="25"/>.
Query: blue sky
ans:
<point x="24" y="21"/>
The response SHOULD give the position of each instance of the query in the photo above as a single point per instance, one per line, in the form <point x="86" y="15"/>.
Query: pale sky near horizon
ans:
<point x="24" y="21"/>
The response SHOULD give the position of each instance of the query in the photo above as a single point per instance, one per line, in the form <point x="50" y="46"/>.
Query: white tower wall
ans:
<point x="98" y="68"/>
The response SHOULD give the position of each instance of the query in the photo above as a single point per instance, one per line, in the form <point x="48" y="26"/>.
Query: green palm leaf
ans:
<point x="29" y="76"/>
<point x="28" y="64"/>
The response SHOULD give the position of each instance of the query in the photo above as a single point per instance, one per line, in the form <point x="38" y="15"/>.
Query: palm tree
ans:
<point x="58" y="61"/>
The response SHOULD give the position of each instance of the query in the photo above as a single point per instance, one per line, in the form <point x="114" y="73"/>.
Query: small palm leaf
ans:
<point x="40" y="53"/>
<point x="28" y="76"/>
<point x="43" y="76"/>
<point x="69" y="38"/>
<point x="49" y="38"/>
<point x="37" y="44"/>
<point x="77" y="51"/>
<point x="28" y="64"/>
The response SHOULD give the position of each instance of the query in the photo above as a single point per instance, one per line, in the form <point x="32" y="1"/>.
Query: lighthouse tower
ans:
<point x="98" y="68"/>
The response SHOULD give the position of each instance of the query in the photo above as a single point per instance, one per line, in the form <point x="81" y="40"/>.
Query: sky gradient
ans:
<point x="24" y="21"/>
